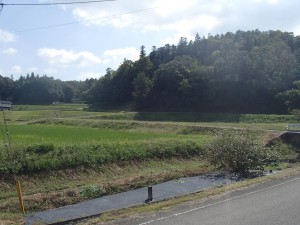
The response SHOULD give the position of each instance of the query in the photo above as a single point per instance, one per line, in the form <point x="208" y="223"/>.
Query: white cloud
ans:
<point x="267" y="1"/>
<point x="188" y="29"/>
<point x="296" y="29"/>
<point x="221" y="15"/>
<point x="10" y="51"/>
<point x="89" y="16"/>
<point x="62" y="62"/>
<point x="65" y="58"/>
<point x="94" y="16"/>
<point x="6" y="36"/>
<point x="166" y="8"/>
<point x="185" y="28"/>
<point x="174" y="39"/>
<point x="16" y="70"/>
<point x="130" y="14"/>
<point x="87" y="75"/>
<point x="33" y="69"/>
<point x="50" y="71"/>
<point x="273" y="1"/>
<point x="159" y="15"/>
<point x="115" y="56"/>
<point x="173" y="18"/>
<point x="123" y="21"/>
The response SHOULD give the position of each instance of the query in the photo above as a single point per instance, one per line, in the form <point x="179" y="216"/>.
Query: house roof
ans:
<point x="5" y="102"/>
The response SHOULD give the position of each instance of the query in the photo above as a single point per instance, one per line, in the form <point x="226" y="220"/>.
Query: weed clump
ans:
<point x="240" y="152"/>
<point x="92" y="191"/>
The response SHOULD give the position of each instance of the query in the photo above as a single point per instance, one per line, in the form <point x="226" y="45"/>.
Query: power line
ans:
<point x="53" y="3"/>
<point x="1" y="6"/>
<point x="81" y="21"/>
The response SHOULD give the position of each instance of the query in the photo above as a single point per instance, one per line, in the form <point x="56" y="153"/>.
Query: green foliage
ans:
<point x="286" y="150"/>
<point x="40" y="149"/>
<point x="268" y="118"/>
<point x="240" y="72"/>
<point x="240" y="152"/>
<point x="35" y="89"/>
<point x="179" y="84"/>
<point x="96" y="155"/>
<point x="90" y="139"/>
<point x="291" y="98"/>
<point x="142" y="86"/>
<point x="92" y="191"/>
<point x="6" y="88"/>
<point x="42" y="108"/>
<point x="215" y="117"/>
<point x="296" y="113"/>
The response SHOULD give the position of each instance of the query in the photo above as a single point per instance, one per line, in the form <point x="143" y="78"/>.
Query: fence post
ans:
<point x="20" y="197"/>
<point x="150" y="193"/>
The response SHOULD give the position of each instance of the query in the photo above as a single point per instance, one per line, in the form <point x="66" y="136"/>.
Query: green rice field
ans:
<point x="43" y="138"/>
<point x="58" y="150"/>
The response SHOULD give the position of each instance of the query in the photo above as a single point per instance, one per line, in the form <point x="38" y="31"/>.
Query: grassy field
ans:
<point x="57" y="151"/>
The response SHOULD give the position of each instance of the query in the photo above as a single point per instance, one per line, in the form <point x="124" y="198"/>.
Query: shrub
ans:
<point x="240" y="152"/>
<point x="92" y="191"/>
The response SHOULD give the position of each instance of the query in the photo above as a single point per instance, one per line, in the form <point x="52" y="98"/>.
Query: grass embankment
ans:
<point x="49" y="190"/>
<point x="63" y="154"/>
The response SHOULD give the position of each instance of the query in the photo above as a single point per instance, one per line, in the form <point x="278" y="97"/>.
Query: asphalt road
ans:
<point x="273" y="203"/>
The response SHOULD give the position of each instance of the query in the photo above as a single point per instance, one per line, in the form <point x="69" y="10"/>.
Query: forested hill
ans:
<point x="246" y="71"/>
<point x="252" y="71"/>
<point x="35" y="89"/>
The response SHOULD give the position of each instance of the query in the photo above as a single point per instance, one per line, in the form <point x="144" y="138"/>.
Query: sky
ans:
<point x="80" y="41"/>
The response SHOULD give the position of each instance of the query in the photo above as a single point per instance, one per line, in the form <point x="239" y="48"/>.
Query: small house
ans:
<point x="5" y="105"/>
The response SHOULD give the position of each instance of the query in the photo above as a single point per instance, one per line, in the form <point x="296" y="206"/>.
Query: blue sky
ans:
<point x="103" y="34"/>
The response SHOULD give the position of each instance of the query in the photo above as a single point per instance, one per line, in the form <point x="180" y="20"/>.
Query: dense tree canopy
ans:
<point x="33" y="89"/>
<point x="245" y="71"/>
<point x="248" y="71"/>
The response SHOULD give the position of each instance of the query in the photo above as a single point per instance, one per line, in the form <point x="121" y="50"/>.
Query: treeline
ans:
<point x="35" y="89"/>
<point x="242" y="72"/>
<point x="252" y="71"/>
